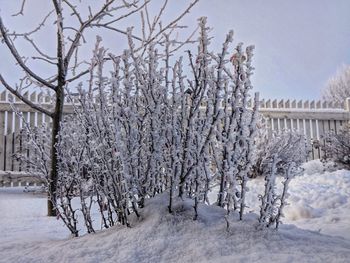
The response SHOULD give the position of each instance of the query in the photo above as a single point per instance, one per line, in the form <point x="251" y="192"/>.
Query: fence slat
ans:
<point x="10" y="144"/>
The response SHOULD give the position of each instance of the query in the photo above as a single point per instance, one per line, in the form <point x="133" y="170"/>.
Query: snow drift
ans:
<point x="162" y="237"/>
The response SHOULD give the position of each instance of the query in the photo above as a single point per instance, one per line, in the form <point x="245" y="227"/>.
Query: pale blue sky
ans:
<point x="299" y="43"/>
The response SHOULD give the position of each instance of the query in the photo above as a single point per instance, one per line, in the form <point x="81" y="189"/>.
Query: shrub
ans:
<point x="337" y="147"/>
<point x="289" y="146"/>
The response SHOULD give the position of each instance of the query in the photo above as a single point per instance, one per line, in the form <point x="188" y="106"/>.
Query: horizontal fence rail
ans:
<point x="15" y="179"/>
<point x="312" y="118"/>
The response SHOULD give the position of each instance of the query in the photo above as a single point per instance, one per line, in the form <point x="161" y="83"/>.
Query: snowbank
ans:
<point x="318" y="167"/>
<point x="23" y="217"/>
<point x="318" y="200"/>
<point x="163" y="237"/>
<point x="313" y="167"/>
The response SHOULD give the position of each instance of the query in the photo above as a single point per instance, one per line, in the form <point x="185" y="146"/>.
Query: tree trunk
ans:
<point x="56" y="126"/>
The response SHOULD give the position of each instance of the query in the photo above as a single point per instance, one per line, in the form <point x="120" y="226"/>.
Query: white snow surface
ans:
<point x="318" y="201"/>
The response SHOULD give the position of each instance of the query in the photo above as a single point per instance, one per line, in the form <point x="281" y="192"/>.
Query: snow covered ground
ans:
<point x="318" y="201"/>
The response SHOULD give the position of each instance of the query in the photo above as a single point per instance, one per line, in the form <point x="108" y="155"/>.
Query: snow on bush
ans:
<point x="313" y="167"/>
<point x="319" y="166"/>
<point x="337" y="146"/>
<point x="33" y="149"/>
<point x="289" y="145"/>
<point x="318" y="201"/>
<point x="149" y="129"/>
<point x="272" y="202"/>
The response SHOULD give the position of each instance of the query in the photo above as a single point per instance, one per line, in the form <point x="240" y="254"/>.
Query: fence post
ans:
<point x="347" y="104"/>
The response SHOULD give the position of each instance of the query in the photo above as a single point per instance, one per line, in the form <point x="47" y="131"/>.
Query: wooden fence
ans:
<point x="12" y="171"/>
<point x="13" y="179"/>
<point x="313" y="118"/>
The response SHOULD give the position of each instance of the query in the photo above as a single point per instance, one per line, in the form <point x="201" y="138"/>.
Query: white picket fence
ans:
<point x="313" y="118"/>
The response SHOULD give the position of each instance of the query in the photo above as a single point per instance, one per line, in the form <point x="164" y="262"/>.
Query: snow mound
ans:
<point x="162" y="237"/>
<point x="313" y="167"/>
<point x="318" y="167"/>
<point x="318" y="201"/>
<point x="300" y="210"/>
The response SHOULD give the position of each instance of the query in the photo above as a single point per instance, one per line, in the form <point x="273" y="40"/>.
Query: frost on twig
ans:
<point x="272" y="203"/>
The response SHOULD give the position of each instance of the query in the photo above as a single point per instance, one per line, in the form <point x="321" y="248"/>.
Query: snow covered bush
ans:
<point x="313" y="167"/>
<point x="149" y="128"/>
<point x="236" y="132"/>
<point x="33" y="149"/>
<point x="290" y="146"/>
<point x="337" y="147"/>
<point x="277" y="154"/>
<point x="272" y="203"/>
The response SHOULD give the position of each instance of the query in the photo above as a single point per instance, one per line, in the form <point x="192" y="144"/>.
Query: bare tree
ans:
<point x="67" y="63"/>
<point x="338" y="86"/>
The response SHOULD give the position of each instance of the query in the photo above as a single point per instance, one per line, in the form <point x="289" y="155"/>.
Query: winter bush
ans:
<point x="149" y="128"/>
<point x="71" y="23"/>
<point x="313" y="167"/>
<point x="33" y="149"/>
<point x="272" y="203"/>
<point x="289" y="145"/>
<point x="277" y="154"/>
<point x="336" y="147"/>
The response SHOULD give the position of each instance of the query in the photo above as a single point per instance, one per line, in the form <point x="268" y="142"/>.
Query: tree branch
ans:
<point x="82" y="28"/>
<point x="117" y="30"/>
<point x="78" y="75"/>
<point x="35" y="46"/>
<point x="24" y="99"/>
<point x="127" y="14"/>
<point x="75" y="12"/>
<point x="19" y="59"/>
<point x="170" y="25"/>
<point x="20" y="12"/>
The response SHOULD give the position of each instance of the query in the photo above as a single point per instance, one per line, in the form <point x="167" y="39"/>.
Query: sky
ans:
<point x="299" y="44"/>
